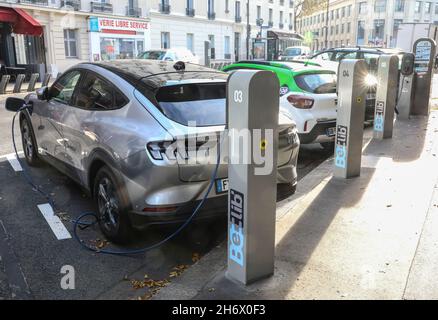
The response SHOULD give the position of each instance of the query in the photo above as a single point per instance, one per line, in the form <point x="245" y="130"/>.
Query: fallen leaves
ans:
<point x="149" y="283"/>
<point x="196" y="257"/>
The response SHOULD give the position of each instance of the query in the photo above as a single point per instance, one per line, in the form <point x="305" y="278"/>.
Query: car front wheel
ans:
<point x="29" y="145"/>
<point x="112" y="207"/>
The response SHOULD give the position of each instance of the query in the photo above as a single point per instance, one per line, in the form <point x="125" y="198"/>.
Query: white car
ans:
<point x="175" y="54"/>
<point x="313" y="110"/>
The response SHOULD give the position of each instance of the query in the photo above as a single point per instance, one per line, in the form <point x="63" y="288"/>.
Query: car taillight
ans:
<point x="300" y="101"/>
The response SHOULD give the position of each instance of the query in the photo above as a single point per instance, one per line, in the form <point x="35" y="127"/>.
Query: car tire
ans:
<point x="29" y="144"/>
<point x="328" y="146"/>
<point x="112" y="207"/>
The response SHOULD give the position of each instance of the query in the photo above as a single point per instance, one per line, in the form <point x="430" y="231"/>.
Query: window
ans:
<point x="227" y="6"/>
<point x="349" y="10"/>
<point x="203" y="103"/>
<point x="281" y="17"/>
<point x="237" y="9"/>
<point x="70" y="43"/>
<point x="190" y="42"/>
<point x="427" y="7"/>
<point x="227" y="51"/>
<point x="348" y="27"/>
<point x="317" y="83"/>
<point x="344" y="55"/>
<point x="399" y="5"/>
<point x="337" y="29"/>
<point x="436" y="8"/>
<point x="96" y="93"/>
<point x="212" y="46"/>
<point x="342" y="28"/>
<point x="190" y="4"/>
<point x="62" y="90"/>
<point x="360" y="32"/>
<point x="380" y="6"/>
<point x="210" y="7"/>
<point x="259" y="12"/>
<point x="165" y="40"/>
<point x="379" y="28"/>
<point x="417" y="6"/>
<point x="270" y="15"/>
<point x="343" y="12"/>
<point x="337" y="13"/>
<point x="362" y="7"/>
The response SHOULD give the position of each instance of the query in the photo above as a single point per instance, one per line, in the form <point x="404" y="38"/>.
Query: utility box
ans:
<point x="252" y="117"/>
<point x="386" y="96"/>
<point x="351" y="90"/>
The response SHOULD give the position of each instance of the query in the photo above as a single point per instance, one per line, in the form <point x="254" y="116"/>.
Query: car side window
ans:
<point x="63" y="89"/>
<point x="345" y="55"/>
<point x="96" y="93"/>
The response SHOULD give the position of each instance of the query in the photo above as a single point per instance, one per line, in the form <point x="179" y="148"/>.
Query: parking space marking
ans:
<point x="15" y="164"/>
<point x="54" y="222"/>
<point x="10" y="154"/>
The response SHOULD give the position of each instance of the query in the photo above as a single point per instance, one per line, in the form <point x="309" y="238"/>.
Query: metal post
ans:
<point x="327" y="25"/>
<point x="248" y="30"/>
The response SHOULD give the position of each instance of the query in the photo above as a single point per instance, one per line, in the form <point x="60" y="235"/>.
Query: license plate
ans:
<point x="221" y="185"/>
<point x="331" y="131"/>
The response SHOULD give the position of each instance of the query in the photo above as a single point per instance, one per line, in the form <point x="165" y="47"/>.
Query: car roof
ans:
<point x="364" y="49"/>
<point x="155" y="73"/>
<point x="295" y="66"/>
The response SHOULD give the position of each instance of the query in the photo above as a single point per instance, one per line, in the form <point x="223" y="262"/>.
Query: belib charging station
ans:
<point x="252" y="106"/>
<point x="351" y="88"/>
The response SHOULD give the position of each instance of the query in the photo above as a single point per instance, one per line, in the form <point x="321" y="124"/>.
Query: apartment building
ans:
<point x="189" y="23"/>
<point x="363" y="22"/>
<point x="60" y="33"/>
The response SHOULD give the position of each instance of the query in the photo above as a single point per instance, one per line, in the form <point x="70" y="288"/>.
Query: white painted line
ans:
<point x="12" y="158"/>
<point x="54" y="222"/>
<point x="10" y="154"/>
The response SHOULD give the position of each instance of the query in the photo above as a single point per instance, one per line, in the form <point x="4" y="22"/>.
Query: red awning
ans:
<point x="21" y="21"/>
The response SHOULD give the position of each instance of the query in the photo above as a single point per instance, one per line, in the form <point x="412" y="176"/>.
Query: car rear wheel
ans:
<point x="28" y="142"/>
<point x="112" y="207"/>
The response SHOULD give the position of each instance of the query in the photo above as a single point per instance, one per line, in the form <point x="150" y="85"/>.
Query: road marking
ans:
<point x="54" y="222"/>
<point x="15" y="164"/>
<point x="11" y="154"/>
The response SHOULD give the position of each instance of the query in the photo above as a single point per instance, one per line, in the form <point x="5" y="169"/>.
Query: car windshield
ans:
<point x="194" y="104"/>
<point x="291" y="52"/>
<point x="153" y="55"/>
<point x="317" y="82"/>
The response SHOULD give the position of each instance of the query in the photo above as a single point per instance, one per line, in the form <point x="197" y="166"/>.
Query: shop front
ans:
<point x="112" y="39"/>
<point x="21" y="43"/>
<point x="279" y="41"/>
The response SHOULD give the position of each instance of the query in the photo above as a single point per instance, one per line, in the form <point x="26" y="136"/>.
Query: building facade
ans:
<point x="363" y="22"/>
<point x="74" y="31"/>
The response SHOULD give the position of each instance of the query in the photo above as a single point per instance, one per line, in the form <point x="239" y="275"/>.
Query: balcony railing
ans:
<point x="101" y="7"/>
<point x="211" y="15"/>
<point x="259" y="22"/>
<point x="164" y="8"/>
<point x="190" y="12"/>
<point x="238" y="19"/>
<point x="75" y="4"/>
<point x="37" y="2"/>
<point x="133" y="12"/>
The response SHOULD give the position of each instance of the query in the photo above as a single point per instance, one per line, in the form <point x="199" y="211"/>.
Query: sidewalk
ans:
<point x="371" y="237"/>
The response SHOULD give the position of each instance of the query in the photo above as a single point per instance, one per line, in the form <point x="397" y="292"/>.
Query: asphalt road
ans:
<point x="32" y="257"/>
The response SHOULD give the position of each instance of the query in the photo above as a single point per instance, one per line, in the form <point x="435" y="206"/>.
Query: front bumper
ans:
<point x="318" y="133"/>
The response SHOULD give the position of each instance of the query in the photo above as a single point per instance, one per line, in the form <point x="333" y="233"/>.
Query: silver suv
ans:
<point x="108" y="126"/>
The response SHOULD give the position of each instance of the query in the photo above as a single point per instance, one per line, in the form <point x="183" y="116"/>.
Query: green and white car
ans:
<point x="307" y="95"/>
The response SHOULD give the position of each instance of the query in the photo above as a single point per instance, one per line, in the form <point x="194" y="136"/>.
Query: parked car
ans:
<point x="330" y="59"/>
<point x="109" y="126"/>
<point x="175" y="54"/>
<point x="307" y="94"/>
<point x="294" y="52"/>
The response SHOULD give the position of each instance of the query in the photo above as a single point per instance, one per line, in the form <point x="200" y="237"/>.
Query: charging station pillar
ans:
<point x="405" y="94"/>
<point x="350" y="119"/>
<point x="386" y="96"/>
<point x="424" y="51"/>
<point x="253" y="106"/>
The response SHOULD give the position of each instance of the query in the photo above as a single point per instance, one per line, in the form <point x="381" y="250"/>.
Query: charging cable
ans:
<point x="80" y="223"/>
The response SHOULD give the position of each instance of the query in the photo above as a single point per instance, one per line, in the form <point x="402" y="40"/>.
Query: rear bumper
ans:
<point x="318" y="133"/>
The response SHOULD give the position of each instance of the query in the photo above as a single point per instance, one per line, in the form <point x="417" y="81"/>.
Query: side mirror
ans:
<point x="43" y="93"/>
<point x="14" y="104"/>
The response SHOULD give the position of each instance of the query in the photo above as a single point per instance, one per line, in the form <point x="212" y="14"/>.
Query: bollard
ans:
<point x="253" y="105"/>
<point x="18" y="83"/>
<point x="350" y="119"/>
<point x="386" y="96"/>
<point x="46" y="80"/>
<point x="32" y="81"/>
<point x="4" y="82"/>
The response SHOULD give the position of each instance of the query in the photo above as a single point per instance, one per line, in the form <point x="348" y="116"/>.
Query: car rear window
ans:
<point x="194" y="104"/>
<point x="153" y="55"/>
<point x="293" y="52"/>
<point x="317" y="82"/>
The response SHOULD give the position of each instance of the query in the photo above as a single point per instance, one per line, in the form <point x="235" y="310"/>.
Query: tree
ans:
<point x="303" y="8"/>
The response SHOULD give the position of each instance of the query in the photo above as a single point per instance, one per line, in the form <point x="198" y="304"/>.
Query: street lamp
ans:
<point x="261" y="21"/>
<point x="327" y="25"/>
<point x="248" y="30"/>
